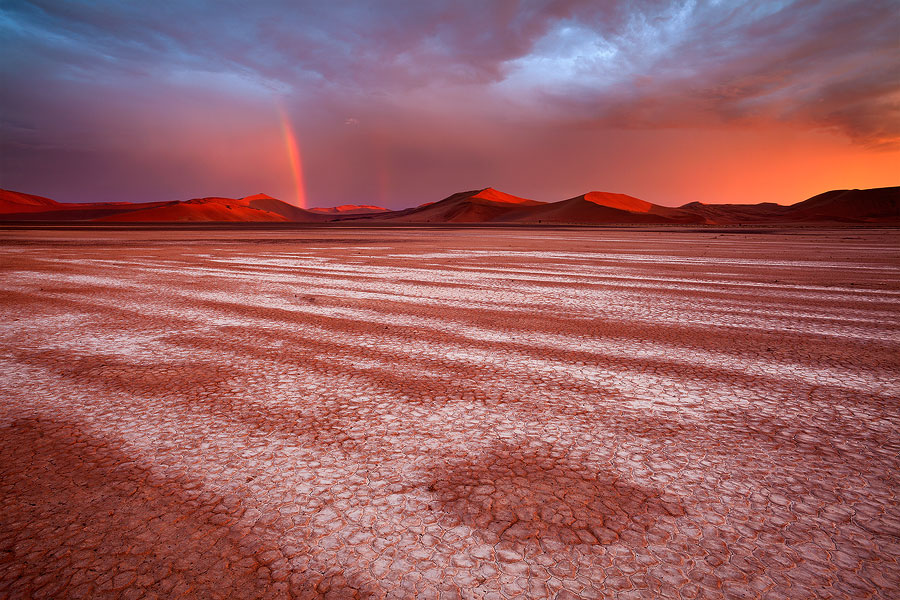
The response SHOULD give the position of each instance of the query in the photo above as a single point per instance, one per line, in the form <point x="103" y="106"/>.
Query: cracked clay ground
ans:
<point x="474" y="413"/>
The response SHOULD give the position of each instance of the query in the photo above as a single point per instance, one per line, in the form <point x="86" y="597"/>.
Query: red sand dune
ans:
<point x="16" y="206"/>
<point x="877" y="205"/>
<point x="283" y="209"/>
<point x="259" y="196"/>
<point x="729" y="214"/>
<point x="490" y="205"/>
<point x="17" y="202"/>
<point x="872" y="205"/>
<point x="256" y="208"/>
<point x="636" y="205"/>
<point x="474" y="206"/>
<point x="205" y="209"/>
<point x="619" y="201"/>
<point x="601" y="207"/>
<point x="493" y="195"/>
<point x="350" y="209"/>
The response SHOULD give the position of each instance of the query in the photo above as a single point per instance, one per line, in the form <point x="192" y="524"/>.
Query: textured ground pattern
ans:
<point x="466" y="413"/>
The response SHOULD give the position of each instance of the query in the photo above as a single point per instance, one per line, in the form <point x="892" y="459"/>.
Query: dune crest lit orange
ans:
<point x="294" y="156"/>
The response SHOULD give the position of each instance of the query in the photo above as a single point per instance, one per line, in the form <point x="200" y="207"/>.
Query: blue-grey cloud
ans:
<point x="96" y="81"/>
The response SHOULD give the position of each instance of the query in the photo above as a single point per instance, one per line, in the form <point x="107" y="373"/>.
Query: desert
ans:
<point x="509" y="300"/>
<point x="449" y="412"/>
<point x="876" y="206"/>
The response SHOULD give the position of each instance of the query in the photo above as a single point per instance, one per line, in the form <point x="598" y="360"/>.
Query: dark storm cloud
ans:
<point x="832" y="63"/>
<point x="110" y="79"/>
<point x="356" y="45"/>
<point x="818" y="64"/>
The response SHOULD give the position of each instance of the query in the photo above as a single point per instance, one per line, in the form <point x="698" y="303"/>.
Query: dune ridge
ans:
<point x="486" y="205"/>
<point x="350" y="209"/>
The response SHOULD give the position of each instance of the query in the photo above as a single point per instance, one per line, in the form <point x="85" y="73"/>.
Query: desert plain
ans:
<point x="471" y="412"/>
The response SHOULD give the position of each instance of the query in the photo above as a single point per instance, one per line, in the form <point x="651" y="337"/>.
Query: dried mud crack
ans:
<point x="484" y="413"/>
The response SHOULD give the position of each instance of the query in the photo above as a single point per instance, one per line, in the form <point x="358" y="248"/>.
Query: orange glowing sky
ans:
<point x="398" y="104"/>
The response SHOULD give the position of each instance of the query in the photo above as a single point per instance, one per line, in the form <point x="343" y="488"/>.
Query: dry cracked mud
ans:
<point x="450" y="413"/>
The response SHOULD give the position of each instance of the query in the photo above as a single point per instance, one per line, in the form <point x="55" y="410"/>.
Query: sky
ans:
<point x="398" y="103"/>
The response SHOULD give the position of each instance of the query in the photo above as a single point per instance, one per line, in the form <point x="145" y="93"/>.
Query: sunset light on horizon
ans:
<point x="450" y="299"/>
<point x="404" y="103"/>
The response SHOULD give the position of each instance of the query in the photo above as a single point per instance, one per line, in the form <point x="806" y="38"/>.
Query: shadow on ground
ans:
<point x="517" y="493"/>
<point x="81" y="517"/>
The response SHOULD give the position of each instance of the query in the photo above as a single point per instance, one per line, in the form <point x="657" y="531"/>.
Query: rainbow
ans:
<point x="294" y="157"/>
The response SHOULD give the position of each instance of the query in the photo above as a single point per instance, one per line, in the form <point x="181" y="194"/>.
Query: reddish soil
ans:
<point x="474" y="413"/>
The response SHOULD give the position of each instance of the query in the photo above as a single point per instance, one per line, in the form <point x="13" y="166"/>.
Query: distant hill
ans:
<point x="730" y="214"/>
<point x="350" y="209"/>
<point x="872" y="205"/>
<point x="875" y="205"/>
<point x="475" y="206"/>
<point x="487" y="205"/>
<point x="15" y="206"/>
<point x="272" y="205"/>
<point x="200" y="209"/>
<point x="15" y="202"/>
<point x="601" y="207"/>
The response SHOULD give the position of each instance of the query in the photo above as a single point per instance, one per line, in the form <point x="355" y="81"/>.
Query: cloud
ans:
<point x="811" y="65"/>
<point x="111" y="85"/>
<point x="820" y="64"/>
